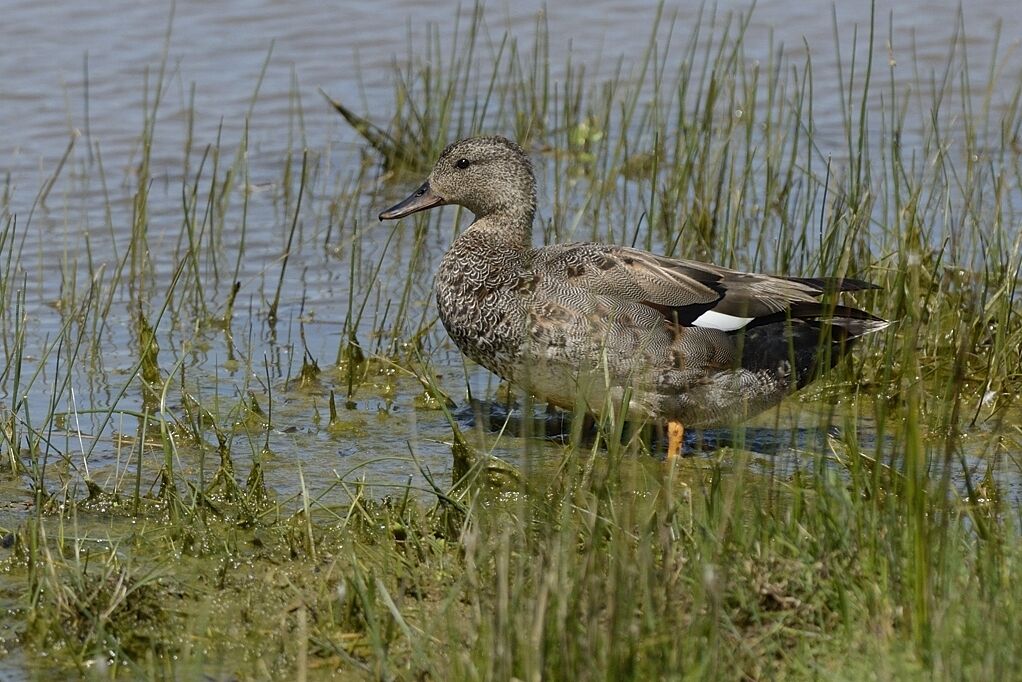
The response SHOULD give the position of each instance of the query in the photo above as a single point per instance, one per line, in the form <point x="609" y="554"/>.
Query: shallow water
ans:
<point x="86" y="71"/>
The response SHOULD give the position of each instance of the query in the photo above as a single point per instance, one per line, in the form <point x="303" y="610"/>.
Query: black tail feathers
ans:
<point x="803" y="347"/>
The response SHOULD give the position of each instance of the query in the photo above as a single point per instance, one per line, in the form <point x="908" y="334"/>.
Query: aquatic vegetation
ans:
<point x="235" y="453"/>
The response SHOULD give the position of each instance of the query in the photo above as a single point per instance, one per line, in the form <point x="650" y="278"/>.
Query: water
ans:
<point x="348" y="50"/>
<point x="89" y="70"/>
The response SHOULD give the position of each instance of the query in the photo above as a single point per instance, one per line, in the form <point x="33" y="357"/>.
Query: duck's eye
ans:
<point x="463" y="163"/>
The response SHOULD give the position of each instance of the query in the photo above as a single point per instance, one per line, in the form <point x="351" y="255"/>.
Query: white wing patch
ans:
<point x="725" y="323"/>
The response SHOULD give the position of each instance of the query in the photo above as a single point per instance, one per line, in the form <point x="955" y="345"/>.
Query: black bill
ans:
<point x="422" y="199"/>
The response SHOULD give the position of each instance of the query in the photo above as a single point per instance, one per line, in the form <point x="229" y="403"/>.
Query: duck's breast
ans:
<point x="481" y="309"/>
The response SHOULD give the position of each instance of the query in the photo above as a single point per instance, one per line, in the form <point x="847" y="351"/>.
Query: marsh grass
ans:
<point x="883" y="548"/>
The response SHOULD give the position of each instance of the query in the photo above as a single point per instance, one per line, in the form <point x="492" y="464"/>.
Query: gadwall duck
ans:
<point x="683" y="342"/>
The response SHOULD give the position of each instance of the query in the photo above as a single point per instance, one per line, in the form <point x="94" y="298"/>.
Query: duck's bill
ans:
<point x="420" y="200"/>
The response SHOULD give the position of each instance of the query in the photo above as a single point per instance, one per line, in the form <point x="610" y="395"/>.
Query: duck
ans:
<point x="679" y="343"/>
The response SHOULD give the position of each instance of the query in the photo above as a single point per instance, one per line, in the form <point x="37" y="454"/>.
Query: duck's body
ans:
<point x="684" y="342"/>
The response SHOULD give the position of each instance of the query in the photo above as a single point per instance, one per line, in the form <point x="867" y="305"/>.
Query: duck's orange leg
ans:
<point x="675" y="432"/>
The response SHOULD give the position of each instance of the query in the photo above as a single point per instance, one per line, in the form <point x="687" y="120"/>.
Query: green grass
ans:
<point x="167" y="511"/>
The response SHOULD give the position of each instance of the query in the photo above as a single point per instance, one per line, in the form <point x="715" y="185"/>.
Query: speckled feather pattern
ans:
<point x="603" y="323"/>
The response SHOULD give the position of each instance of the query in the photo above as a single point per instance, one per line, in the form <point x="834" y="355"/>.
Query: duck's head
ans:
<point x="486" y="175"/>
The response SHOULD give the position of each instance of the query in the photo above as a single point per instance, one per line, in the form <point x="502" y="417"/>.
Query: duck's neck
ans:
<point x="508" y="228"/>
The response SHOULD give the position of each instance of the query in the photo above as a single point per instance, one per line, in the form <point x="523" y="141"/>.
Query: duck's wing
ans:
<point x="687" y="292"/>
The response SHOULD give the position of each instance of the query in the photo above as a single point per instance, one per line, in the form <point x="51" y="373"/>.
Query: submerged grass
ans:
<point x="888" y="547"/>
